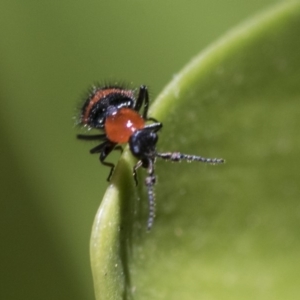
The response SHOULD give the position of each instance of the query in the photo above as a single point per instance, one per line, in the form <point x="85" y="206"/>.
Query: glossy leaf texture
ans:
<point x="227" y="231"/>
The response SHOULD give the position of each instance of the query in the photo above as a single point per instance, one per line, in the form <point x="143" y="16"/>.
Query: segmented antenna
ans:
<point x="150" y="182"/>
<point x="177" y="156"/>
<point x="151" y="179"/>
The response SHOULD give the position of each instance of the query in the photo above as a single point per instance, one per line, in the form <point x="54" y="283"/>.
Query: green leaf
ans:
<point x="221" y="232"/>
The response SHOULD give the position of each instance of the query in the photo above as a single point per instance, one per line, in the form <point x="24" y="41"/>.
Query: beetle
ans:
<point x="116" y="112"/>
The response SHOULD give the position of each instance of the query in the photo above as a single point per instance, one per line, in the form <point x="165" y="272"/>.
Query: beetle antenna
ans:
<point x="177" y="157"/>
<point x="150" y="181"/>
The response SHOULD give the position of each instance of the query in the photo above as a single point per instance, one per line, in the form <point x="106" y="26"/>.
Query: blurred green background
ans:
<point x="50" y="53"/>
